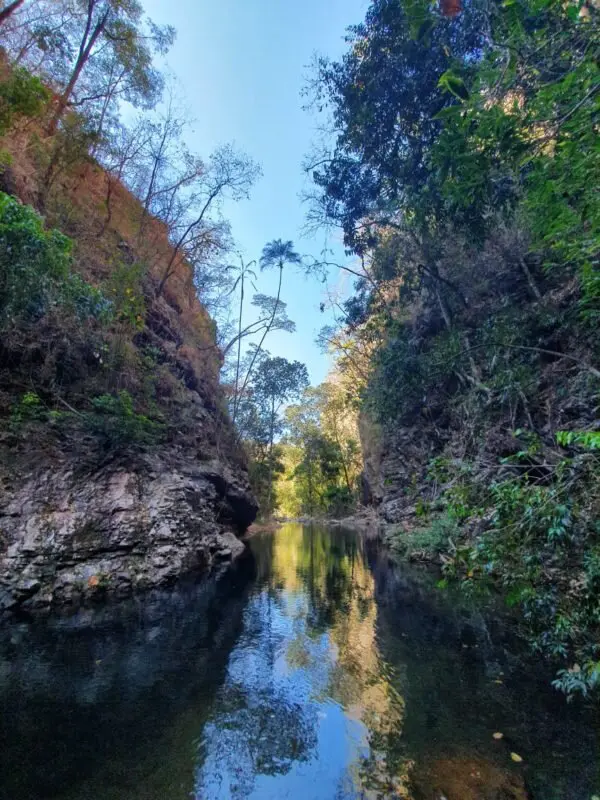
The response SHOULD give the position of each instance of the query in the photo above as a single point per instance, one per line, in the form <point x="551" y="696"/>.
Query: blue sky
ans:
<point x="241" y="65"/>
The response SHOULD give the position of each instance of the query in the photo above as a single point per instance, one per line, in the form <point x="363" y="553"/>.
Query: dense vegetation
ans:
<point x="461" y="169"/>
<point x="110" y="235"/>
<point x="463" y="176"/>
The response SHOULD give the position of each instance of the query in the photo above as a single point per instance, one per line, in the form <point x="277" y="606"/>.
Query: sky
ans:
<point x="241" y="65"/>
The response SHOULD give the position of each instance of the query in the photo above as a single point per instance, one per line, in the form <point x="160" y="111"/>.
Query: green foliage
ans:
<point x="405" y="374"/>
<point x="22" y="94"/>
<point x="385" y="96"/>
<point x="125" y="291"/>
<point x="436" y="538"/>
<point x="35" y="270"/>
<point x="29" y="408"/>
<point x="576" y="680"/>
<point x="465" y="173"/>
<point x="527" y="138"/>
<point x="275" y="382"/>
<point x="587" y="439"/>
<point x="322" y="469"/>
<point x="338" y="500"/>
<point x="116" y="421"/>
<point x="540" y="545"/>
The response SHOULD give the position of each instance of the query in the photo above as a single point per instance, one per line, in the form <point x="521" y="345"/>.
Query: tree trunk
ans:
<point x="443" y="307"/>
<point x="10" y="9"/>
<point x="109" y="96"/>
<point x="310" y="486"/>
<point x="531" y="280"/>
<point x="336" y="436"/>
<point x="267" y="329"/>
<point x="239" y="352"/>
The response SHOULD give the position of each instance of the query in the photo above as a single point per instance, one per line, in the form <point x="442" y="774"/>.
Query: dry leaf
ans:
<point x="516" y="758"/>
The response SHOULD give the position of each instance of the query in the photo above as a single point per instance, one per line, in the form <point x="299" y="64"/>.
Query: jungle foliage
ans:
<point x="463" y="176"/>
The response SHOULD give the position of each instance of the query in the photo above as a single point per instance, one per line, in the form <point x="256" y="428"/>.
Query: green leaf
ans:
<point x="449" y="112"/>
<point x="450" y="82"/>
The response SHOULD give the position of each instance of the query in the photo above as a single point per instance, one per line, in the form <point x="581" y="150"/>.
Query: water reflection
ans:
<point x="307" y="703"/>
<point x="109" y="704"/>
<point x="317" y="670"/>
<point x="356" y="679"/>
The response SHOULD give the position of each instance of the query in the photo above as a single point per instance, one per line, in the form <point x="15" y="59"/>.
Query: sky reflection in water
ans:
<point x="305" y="688"/>
<point x="315" y="670"/>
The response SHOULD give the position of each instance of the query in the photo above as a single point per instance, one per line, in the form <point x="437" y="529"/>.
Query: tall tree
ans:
<point x="277" y="381"/>
<point x="276" y="253"/>
<point x="113" y="26"/>
<point x="385" y="98"/>
<point x="228" y="173"/>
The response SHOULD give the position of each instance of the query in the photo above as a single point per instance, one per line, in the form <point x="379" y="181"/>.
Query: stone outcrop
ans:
<point x="394" y="461"/>
<point x="71" y="533"/>
<point x="92" y="506"/>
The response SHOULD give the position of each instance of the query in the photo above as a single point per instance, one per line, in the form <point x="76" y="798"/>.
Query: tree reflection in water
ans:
<point x="354" y="678"/>
<point x="307" y="708"/>
<point x="314" y="670"/>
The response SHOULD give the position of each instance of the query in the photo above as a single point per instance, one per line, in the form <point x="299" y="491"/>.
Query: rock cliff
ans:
<point x="72" y="533"/>
<point x="119" y="466"/>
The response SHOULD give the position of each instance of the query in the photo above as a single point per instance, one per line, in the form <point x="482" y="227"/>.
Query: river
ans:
<point x="315" y="669"/>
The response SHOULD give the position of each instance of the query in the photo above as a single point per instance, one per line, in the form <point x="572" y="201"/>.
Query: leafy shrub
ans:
<point x="28" y="408"/>
<point x="115" y="420"/>
<point x="405" y="373"/>
<point x="428" y="541"/>
<point x="540" y="547"/>
<point x="587" y="439"/>
<point x="22" y="94"/>
<point x="35" y="270"/>
<point x="125" y="291"/>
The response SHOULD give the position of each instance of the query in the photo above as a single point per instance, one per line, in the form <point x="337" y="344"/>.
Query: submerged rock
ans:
<point x="468" y="778"/>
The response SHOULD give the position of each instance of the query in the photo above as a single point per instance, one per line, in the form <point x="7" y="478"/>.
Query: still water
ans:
<point x="316" y="669"/>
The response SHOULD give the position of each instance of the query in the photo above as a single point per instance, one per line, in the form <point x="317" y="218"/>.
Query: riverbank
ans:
<point x="366" y="521"/>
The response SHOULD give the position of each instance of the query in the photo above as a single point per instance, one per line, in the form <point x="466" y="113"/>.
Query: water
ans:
<point x="316" y="669"/>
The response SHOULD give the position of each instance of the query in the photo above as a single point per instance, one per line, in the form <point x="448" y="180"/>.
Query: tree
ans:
<point x="227" y="174"/>
<point x="266" y="305"/>
<point x="276" y="253"/>
<point x="39" y="38"/>
<point x="385" y="100"/>
<point x="464" y="173"/>
<point x="339" y="421"/>
<point x="322" y="432"/>
<point x="277" y="381"/>
<point x="121" y="155"/>
<point x="112" y="28"/>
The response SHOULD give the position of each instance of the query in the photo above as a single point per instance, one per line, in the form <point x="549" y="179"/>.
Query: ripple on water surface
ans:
<point x="316" y="669"/>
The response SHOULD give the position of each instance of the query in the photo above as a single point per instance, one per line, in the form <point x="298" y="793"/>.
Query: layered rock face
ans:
<point x="70" y="534"/>
<point x="88" y="508"/>
<point x="393" y="463"/>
